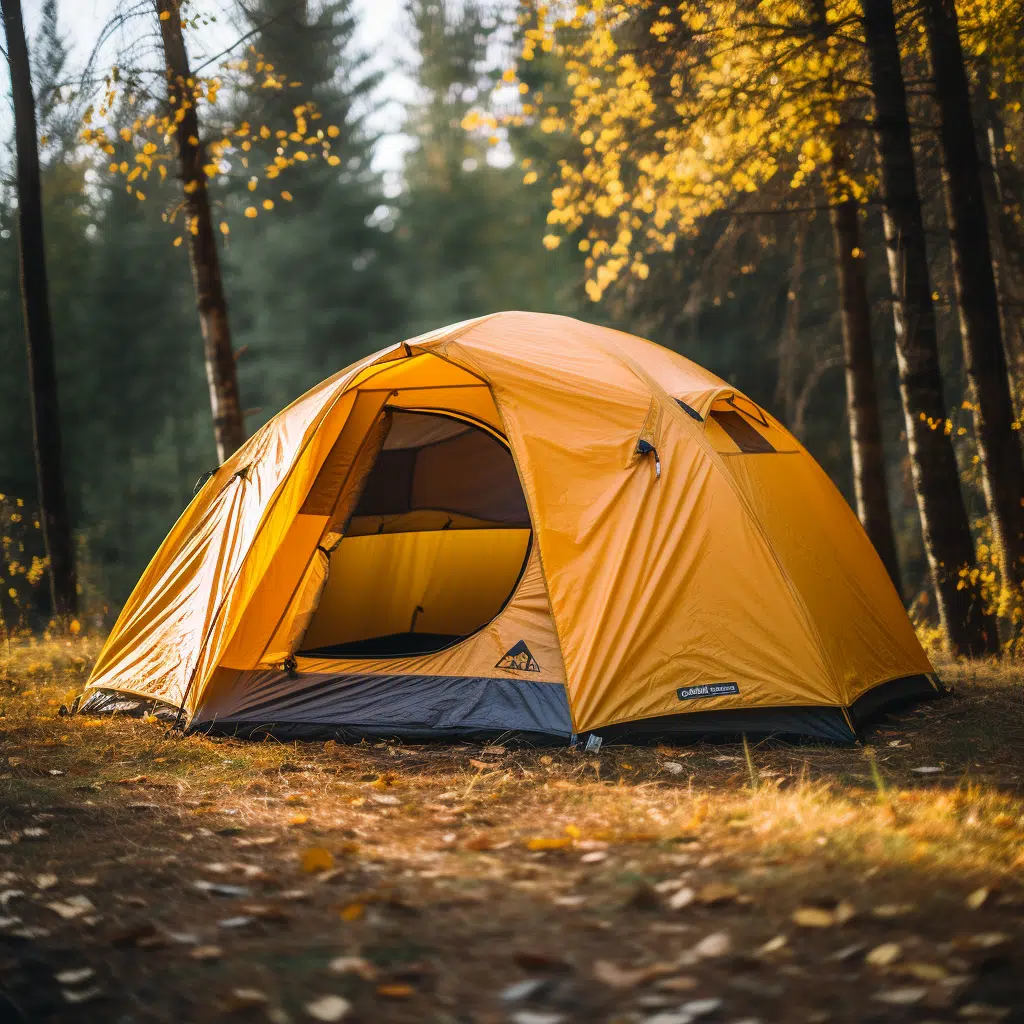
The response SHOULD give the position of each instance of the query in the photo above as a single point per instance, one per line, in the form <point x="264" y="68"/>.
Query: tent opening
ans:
<point x="434" y="547"/>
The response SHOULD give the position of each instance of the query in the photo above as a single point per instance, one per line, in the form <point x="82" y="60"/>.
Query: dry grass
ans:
<point x="458" y="871"/>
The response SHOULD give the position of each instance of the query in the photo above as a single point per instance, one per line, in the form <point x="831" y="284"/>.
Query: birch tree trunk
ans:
<point x="221" y="375"/>
<point x="944" y="525"/>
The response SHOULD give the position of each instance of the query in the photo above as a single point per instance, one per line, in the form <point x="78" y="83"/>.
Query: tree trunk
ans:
<point x="867" y="452"/>
<point x="999" y="451"/>
<point x="53" y="515"/>
<point x="1005" y="234"/>
<point x="944" y="525"/>
<point x="865" y="422"/>
<point x="789" y="339"/>
<point x="221" y="375"/>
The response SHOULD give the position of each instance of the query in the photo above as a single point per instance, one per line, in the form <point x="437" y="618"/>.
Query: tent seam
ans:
<point x="271" y="505"/>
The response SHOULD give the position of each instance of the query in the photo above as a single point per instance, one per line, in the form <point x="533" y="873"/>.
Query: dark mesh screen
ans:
<point x="746" y="437"/>
<point x="464" y="472"/>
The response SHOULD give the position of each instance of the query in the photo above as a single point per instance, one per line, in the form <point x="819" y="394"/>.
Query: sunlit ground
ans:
<point x="150" y="877"/>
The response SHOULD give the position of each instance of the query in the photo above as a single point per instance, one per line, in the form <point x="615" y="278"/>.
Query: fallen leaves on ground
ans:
<point x="328" y="1008"/>
<point x="822" y="916"/>
<point x="651" y="885"/>
<point x="395" y="990"/>
<point x="316" y="859"/>
<point x="72" y="907"/>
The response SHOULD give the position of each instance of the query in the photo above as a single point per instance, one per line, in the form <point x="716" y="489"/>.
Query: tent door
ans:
<point x="431" y="547"/>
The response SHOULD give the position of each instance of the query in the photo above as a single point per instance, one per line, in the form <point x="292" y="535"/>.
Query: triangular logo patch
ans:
<point x="518" y="657"/>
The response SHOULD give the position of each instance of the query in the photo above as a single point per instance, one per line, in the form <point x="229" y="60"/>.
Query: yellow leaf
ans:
<point x="978" y="898"/>
<point x="224" y="229"/>
<point x="813" y="917"/>
<point x="75" y="627"/>
<point x="177" y="241"/>
<point x="251" y="211"/>
<point x="286" y="196"/>
<point x="548" y="844"/>
<point x="884" y="955"/>
<point x="165" y="15"/>
<point x="352" y="912"/>
<point x="317" y="858"/>
<point x="268" y="204"/>
<point x="334" y="160"/>
<point x="333" y="131"/>
<point x="395" y="990"/>
<point x="298" y="819"/>
<point x="140" y="195"/>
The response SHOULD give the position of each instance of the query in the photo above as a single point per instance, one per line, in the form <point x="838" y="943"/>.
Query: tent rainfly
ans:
<point x="519" y="524"/>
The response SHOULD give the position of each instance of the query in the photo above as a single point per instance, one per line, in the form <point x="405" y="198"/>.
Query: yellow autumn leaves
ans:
<point x="681" y="110"/>
<point x="677" y="116"/>
<point x="155" y="137"/>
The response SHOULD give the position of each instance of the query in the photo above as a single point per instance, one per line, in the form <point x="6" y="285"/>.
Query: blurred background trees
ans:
<point x="778" y="190"/>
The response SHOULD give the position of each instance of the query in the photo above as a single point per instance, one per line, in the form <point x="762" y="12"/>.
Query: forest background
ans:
<point x="489" y="203"/>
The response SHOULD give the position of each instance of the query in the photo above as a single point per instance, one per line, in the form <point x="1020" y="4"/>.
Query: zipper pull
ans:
<point x="645" y="448"/>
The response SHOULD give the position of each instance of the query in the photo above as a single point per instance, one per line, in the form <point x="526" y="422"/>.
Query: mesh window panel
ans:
<point x="747" y="439"/>
<point x="463" y="471"/>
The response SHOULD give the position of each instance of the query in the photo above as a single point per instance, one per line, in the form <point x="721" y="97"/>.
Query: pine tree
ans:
<point x="138" y="414"/>
<point x="58" y="114"/>
<point x="469" y="223"/>
<point x="325" y="288"/>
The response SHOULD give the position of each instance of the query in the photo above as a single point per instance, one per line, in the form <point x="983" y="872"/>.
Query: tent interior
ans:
<point x="434" y="546"/>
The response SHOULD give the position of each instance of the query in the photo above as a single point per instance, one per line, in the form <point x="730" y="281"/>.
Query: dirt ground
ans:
<point x="149" y="877"/>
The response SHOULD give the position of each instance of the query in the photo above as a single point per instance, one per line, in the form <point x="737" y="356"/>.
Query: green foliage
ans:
<point x="469" y="227"/>
<point x="322" y="290"/>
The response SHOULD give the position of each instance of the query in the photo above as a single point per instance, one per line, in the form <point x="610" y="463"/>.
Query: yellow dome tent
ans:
<point x="521" y="523"/>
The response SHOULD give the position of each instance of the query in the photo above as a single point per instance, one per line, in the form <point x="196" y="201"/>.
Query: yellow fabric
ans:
<point x="861" y="627"/>
<point x="747" y="568"/>
<point x="458" y="579"/>
<point x="158" y="644"/>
